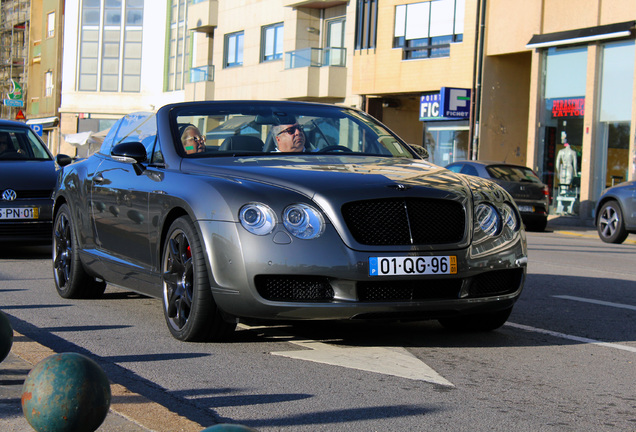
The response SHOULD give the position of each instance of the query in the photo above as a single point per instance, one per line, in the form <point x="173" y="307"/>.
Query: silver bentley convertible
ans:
<point x="283" y="211"/>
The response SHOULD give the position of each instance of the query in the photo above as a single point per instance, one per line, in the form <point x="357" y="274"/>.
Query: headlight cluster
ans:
<point x="491" y="221"/>
<point x="301" y="220"/>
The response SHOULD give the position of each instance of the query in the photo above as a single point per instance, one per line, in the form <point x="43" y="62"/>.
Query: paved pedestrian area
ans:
<point x="129" y="412"/>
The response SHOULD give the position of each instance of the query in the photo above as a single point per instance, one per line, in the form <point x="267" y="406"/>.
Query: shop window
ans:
<point x="562" y="126"/>
<point x="614" y="115"/>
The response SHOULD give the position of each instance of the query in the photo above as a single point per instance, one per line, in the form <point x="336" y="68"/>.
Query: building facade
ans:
<point x="561" y="93"/>
<point x="45" y="70"/>
<point x="543" y="83"/>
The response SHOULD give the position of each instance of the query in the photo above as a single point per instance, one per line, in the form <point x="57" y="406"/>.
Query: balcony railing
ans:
<point x="202" y="73"/>
<point x="315" y="57"/>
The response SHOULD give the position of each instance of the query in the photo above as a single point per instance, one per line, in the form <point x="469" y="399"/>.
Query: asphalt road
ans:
<point x="565" y="361"/>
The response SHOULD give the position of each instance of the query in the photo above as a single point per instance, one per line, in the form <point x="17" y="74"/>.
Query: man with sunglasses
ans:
<point x="289" y="137"/>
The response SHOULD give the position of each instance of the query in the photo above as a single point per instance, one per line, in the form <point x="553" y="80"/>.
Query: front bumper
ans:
<point x="280" y="277"/>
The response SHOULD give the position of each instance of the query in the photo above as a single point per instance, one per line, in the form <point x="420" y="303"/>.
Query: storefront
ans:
<point x="585" y="141"/>
<point x="446" y="127"/>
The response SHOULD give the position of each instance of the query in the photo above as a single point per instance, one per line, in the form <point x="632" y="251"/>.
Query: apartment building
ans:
<point x="45" y="67"/>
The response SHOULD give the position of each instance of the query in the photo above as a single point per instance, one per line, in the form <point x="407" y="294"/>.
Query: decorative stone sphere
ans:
<point x="227" y="427"/>
<point x="66" y="392"/>
<point x="6" y="336"/>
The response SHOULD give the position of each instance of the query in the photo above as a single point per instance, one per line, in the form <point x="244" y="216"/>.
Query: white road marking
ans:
<point x="394" y="361"/>
<point x="571" y="337"/>
<point x="598" y="302"/>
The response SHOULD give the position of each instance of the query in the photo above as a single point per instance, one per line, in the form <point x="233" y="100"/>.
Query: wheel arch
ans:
<point x="602" y="202"/>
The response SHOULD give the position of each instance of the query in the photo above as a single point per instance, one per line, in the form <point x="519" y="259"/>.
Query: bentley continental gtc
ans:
<point x="263" y="210"/>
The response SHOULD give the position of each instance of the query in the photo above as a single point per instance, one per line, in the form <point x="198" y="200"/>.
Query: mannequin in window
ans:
<point x="566" y="165"/>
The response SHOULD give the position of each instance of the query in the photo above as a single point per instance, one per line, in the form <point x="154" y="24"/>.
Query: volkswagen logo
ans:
<point x="9" y="195"/>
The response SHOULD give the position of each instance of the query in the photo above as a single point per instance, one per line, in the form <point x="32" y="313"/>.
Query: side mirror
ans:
<point x="129" y="152"/>
<point x="132" y="153"/>
<point x="421" y="151"/>
<point x="63" y="160"/>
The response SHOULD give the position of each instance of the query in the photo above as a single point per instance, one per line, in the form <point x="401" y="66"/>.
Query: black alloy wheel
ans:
<point x="71" y="280"/>
<point x="189" y="308"/>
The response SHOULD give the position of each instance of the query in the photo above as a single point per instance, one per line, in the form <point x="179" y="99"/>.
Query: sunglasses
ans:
<point x="197" y="138"/>
<point x="291" y="130"/>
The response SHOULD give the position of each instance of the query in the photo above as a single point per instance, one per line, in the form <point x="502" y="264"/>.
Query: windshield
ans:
<point x="260" y="127"/>
<point x="21" y="144"/>
<point x="513" y="173"/>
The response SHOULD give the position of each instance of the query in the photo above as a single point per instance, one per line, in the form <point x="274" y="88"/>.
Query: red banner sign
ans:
<point x="572" y="107"/>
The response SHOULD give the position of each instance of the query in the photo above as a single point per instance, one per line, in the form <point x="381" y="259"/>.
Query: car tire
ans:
<point x="71" y="279"/>
<point x="482" y="322"/>
<point x="188" y="305"/>
<point x="610" y="224"/>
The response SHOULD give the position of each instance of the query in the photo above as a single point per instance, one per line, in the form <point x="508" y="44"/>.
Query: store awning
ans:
<point x="589" y="34"/>
<point x="46" y="122"/>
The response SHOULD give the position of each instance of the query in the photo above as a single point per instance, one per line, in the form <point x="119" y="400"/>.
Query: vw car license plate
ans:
<point x="19" y="213"/>
<point x="410" y="265"/>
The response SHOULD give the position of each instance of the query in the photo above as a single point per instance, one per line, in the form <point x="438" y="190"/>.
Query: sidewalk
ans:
<point x="129" y="412"/>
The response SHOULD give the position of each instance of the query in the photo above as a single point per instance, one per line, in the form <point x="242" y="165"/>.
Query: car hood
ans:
<point x="314" y="175"/>
<point x="27" y="175"/>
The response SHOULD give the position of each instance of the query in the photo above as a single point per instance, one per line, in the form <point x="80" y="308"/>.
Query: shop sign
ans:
<point x="429" y="107"/>
<point x="13" y="103"/>
<point x="569" y="107"/>
<point x="448" y="104"/>
<point x="455" y="102"/>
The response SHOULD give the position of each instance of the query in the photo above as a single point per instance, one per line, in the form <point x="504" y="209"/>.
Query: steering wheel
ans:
<point x="335" y="148"/>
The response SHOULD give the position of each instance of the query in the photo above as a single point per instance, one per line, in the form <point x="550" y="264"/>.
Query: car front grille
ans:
<point x="498" y="282"/>
<point x="405" y="290"/>
<point x="410" y="221"/>
<point x="294" y="288"/>
<point x="318" y="289"/>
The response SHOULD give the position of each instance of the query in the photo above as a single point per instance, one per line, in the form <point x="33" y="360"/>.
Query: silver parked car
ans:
<point x="283" y="211"/>
<point x="530" y="193"/>
<point x="616" y="212"/>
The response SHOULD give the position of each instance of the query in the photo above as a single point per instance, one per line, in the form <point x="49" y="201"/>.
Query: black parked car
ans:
<point x="27" y="179"/>
<point x="616" y="212"/>
<point x="204" y="205"/>
<point x="530" y="193"/>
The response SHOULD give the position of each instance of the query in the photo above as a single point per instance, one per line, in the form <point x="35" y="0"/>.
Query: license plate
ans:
<point x="526" y="209"/>
<point x="409" y="265"/>
<point x="19" y="213"/>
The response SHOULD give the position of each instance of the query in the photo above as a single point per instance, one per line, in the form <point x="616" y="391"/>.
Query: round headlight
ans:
<point x="510" y="217"/>
<point x="487" y="219"/>
<point x="257" y="218"/>
<point x="303" y="221"/>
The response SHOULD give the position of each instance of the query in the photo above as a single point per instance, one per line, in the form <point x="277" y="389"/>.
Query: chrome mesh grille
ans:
<point x="387" y="222"/>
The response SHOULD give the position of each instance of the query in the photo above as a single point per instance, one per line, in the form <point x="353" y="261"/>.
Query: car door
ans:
<point x="119" y="203"/>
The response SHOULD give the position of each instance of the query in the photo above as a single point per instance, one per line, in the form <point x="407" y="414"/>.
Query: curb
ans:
<point x="133" y="407"/>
